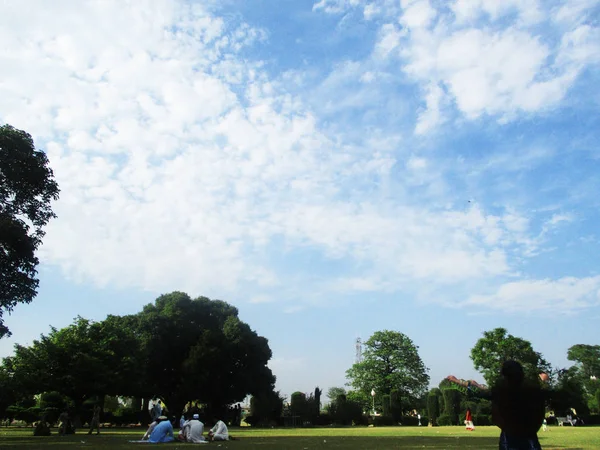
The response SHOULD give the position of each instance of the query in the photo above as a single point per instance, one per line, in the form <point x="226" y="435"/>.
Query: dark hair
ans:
<point x="512" y="371"/>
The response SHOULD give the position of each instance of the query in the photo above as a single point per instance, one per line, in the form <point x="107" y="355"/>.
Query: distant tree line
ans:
<point x="178" y="349"/>
<point x="573" y="388"/>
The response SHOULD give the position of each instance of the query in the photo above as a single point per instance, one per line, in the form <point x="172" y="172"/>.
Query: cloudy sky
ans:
<point x="331" y="167"/>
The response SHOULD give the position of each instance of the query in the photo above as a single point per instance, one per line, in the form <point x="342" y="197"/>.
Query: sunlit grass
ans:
<point x="355" y="438"/>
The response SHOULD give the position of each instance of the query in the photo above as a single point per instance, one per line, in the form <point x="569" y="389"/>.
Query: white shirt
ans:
<point x="220" y="428"/>
<point x="192" y="430"/>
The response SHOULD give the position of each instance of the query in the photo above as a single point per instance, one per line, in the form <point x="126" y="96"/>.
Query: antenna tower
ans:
<point x="358" y="346"/>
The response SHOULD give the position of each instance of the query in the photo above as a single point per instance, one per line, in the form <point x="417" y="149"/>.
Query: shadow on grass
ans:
<point x="119" y="440"/>
<point x="116" y="441"/>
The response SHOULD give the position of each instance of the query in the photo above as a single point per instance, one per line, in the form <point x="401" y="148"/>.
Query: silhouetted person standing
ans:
<point x="95" y="422"/>
<point x="517" y="409"/>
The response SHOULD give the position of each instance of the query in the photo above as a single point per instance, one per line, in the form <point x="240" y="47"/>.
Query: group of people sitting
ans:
<point x="191" y="430"/>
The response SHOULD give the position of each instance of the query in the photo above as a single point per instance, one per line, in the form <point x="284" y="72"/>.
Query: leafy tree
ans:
<point x="587" y="358"/>
<point x="497" y="346"/>
<point x="390" y="361"/>
<point x="266" y="407"/>
<point x="111" y="403"/>
<point x="27" y="188"/>
<point x="10" y="394"/>
<point x="334" y="392"/>
<point x="299" y="404"/>
<point x="84" y="360"/>
<point x="201" y="340"/>
<point x="569" y="392"/>
<point x="587" y="361"/>
<point x="345" y="410"/>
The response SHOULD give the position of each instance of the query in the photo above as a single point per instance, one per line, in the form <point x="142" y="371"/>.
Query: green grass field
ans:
<point x="382" y="438"/>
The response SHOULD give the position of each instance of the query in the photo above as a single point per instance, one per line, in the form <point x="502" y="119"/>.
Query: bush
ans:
<point x="433" y="407"/>
<point x="483" y="407"/>
<point x="124" y="416"/>
<point x="383" y="421"/>
<point x="411" y="421"/>
<point x="53" y="399"/>
<point x="482" y="420"/>
<point x="323" y="419"/>
<point x="444" y="420"/>
<point x="346" y="412"/>
<point x="51" y="415"/>
<point x="265" y="407"/>
<point x="452" y="399"/>
<point x="27" y="415"/>
<point x="592" y="419"/>
<point x="252" y="420"/>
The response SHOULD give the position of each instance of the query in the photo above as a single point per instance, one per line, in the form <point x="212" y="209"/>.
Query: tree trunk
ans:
<point x="175" y="407"/>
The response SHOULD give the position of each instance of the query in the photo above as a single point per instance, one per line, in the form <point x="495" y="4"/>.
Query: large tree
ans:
<point x="27" y="188"/>
<point x="390" y="362"/>
<point x="586" y="358"/>
<point x="83" y="360"/>
<point x="497" y="346"/>
<point x="200" y="350"/>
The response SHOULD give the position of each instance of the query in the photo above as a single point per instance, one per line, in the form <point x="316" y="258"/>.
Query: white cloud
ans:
<point x="562" y="296"/>
<point x="574" y="12"/>
<point x="431" y="116"/>
<point x="418" y="14"/>
<point x="558" y="218"/>
<point x="182" y="161"/>
<point x="389" y="40"/>
<point x="335" y="6"/>
<point x="416" y="163"/>
<point x="470" y="10"/>
<point x="258" y="299"/>
<point x="503" y="70"/>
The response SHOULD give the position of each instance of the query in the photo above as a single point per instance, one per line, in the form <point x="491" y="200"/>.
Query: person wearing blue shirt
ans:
<point x="163" y="432"/>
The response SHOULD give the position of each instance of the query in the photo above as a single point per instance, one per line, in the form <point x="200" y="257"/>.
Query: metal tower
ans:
<point x="358" y="346"/>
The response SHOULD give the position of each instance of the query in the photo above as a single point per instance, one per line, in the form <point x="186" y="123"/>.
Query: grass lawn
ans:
<point x="382" y="438"/>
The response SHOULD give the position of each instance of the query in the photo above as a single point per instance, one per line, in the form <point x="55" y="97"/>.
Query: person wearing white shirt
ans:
<point x="219" y="432"/>
<point x="193" y="430"/>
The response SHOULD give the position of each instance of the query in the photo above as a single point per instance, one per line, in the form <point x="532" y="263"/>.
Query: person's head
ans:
<point x="512" y="372"/>
<point x="468" y="409"/>
<point x="196" y="417"/>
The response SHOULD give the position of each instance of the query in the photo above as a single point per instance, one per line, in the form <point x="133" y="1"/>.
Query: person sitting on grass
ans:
<point x="219" y="432"/>
<point x="42" y="428"/>
<point x="65" y="426"/>
<point x="162" y="432"/>
<point x="151" y="428"/>
<point x="193" y="430"/>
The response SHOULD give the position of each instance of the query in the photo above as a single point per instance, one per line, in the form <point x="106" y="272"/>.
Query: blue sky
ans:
<point x="332" y="168"/>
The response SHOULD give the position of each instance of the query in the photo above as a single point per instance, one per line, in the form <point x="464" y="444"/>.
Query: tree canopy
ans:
<point x="86" y="359"/>
<point x="178" y="349"/>
<point x="497" y="346"/>
<point x="27" y="188"/>
<point x="390" y="362"/>
<point x="201" y="340"/>
<point x="587" y="359"/>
